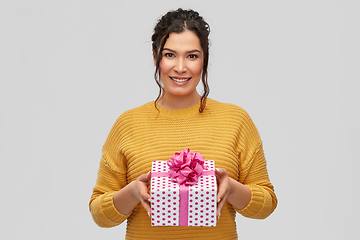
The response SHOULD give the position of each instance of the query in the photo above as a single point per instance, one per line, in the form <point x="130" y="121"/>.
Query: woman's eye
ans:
<point x="192" y="56"/>
<point x="169" y="55"/>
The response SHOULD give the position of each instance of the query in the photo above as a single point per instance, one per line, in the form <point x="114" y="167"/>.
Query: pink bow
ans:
<point x="186" y="167"/>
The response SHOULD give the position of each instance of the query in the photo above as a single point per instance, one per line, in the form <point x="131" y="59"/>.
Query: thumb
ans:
<point x="145" y="177"/>
<point x="220" y="173"/>
<point x="148" y="175"/>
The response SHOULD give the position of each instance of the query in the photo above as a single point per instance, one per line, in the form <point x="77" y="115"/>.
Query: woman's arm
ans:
<point x="252" y="195"/>
<point x="114" y="199"/>
<point x="237" y="194"/>
<point x="129" y="197"/>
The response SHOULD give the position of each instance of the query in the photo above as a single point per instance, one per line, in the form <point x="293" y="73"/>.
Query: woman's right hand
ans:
<point x="140" y="190"/>
<point x="129" y="197"/>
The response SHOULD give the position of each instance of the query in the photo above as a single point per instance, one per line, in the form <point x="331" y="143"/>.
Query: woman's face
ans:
<point x="181" y="64"/>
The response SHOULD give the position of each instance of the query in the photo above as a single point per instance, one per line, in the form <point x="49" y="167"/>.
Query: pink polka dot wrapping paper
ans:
<point x="200" y="199"/>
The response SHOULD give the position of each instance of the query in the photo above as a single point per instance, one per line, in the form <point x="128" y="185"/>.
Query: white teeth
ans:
<point x="180" y="80"/>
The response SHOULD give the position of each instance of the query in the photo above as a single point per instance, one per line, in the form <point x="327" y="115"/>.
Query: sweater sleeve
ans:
<point x="253" y="173"/>
<point x="111" y="178"/>
<point x="255" y="176"/>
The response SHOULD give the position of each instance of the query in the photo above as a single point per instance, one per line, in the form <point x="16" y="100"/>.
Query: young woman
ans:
<point x="181" y="118"/>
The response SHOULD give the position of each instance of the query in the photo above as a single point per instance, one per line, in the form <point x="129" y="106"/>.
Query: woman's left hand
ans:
<point x="225" y="188"/>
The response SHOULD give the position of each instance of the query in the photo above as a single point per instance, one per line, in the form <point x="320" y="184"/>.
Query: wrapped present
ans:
<point x="183" y="191"/>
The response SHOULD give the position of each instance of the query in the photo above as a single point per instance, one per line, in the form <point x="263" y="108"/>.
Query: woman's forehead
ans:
<point x="183" y="41"/>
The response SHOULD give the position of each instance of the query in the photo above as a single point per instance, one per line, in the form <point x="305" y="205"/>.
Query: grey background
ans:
<point x="68" y="69"/>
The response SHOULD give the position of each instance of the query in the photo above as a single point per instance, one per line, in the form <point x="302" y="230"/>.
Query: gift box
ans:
<point x="183" y="191"/>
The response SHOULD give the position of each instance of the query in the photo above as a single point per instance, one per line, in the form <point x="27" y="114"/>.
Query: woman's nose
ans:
<point x="180" y="66"/>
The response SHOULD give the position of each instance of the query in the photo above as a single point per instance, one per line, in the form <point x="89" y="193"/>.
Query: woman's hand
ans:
<point x="137" y="191"/>
<point x="225" y="189"/>
<point x="236" y="193"/>
<point x="140" y="190"/>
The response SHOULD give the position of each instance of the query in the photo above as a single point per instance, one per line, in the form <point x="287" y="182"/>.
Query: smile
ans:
<point x="180" y="80"/>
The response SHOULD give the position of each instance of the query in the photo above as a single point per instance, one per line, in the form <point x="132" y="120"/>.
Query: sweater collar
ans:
<point x="178" y="114"/>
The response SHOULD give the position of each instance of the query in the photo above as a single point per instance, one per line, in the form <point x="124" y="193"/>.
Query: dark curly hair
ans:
<point x="179" y="21"/>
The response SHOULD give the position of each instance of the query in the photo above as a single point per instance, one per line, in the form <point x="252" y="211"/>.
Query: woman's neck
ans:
<point x="175" y="102"/>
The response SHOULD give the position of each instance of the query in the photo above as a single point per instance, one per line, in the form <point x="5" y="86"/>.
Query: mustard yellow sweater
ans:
<point x="223" y="133"/>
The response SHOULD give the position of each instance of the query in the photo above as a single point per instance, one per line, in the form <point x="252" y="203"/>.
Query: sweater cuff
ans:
<point x="260" y="205"/>
<point x="110" y="211"/>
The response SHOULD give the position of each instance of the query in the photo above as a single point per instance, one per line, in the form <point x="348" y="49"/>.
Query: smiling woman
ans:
<point x="180" y="71"/>
<point x="181" y="118"/>
<point x="194" y="41"/>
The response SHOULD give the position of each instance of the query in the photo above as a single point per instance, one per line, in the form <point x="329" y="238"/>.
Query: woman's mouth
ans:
<point x="180" y="80"/>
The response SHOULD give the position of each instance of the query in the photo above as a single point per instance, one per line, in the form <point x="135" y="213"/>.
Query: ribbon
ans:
<point x="186" y="167"/>
<point x="183" y="195"/>
<point x="183" y="205"/>
<point x="167" y="174"/>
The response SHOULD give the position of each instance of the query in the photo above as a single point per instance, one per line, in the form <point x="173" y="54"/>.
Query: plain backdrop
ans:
<point x="68" y="69"/>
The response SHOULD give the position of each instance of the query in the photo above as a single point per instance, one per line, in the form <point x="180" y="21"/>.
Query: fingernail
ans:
<point x="219" y="200"/>
<point x="149" y="200"/>
<point x="217" y="218"/>
<point x="148" y="214"/>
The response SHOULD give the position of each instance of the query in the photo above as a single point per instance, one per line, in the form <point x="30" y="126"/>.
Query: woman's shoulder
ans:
<point x="230" y="114"/>
<point x="137" y="113"/>
<point x="142" y="109"/>
<point x="225" y="108"/>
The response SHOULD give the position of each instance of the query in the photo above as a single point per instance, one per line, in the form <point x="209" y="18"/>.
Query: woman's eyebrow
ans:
<point x="191" y="51"/>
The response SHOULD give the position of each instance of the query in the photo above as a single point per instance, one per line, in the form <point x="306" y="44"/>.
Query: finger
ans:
<point x="145" y="195"/>
<point x="221" y="194"/>
<point x="220" y="207"/>
<point x="144" y="177"/>
<point x="221" y="172"/>
<point x="148" y="176"/>
<point x="146" y="206"/>
<point x="223" y="190"/>
<point x="145" y="198"/>
<point x="221" y="197"/>
<point x="144" y="190"/>
<point x="218" y="173"/>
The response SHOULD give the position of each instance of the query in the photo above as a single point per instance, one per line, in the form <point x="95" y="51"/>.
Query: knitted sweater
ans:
<point x="223" y="133"/>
